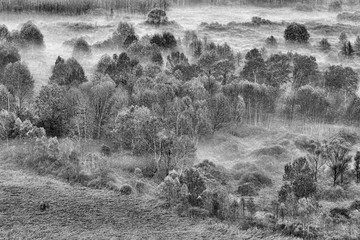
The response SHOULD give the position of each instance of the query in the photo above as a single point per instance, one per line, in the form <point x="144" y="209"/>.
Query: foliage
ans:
<point x="4" y="32"/>
<point x="324" y="44"/>
<point x="123" y="31"/>
<point x="305" y="68"/>
<point x="296" y="32"/>
<point x="335" y="6"/>
<point x="195" y="183"/>
<point x="8" y="54"/>
<point x="165" y="41"/>
<point x="347" y="49"/>
<point x="271" y="41"/>
<point x="68" y="73"/>
<point x="341" y="78"/>
<point x="19" y="82"/>
<point x="54" y="110"/>
<point x="81" y="47"/>
<point x="157" y="16"/>
<point x="30" y="34"/>
<point x="254" y="69"/>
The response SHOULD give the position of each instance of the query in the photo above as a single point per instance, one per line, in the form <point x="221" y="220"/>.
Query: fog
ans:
<point x="241" y="37"/>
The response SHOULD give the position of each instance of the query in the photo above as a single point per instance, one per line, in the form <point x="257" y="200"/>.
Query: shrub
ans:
<point x="334" y="194"/>
<point x="157" y="59"/>
<point x="31" y="34"/>
<point x="106" y="150"/>
<point x="126" y="189"/>
<point x="271" y="41"/>
<point x="324" y="44"/>
<point x="140" y="186"/>
<point x="157" y="16"/>
<point x="81" y="47"/>
<point x="195" y="183"/>
<point x="4" y="32"/>
<point x="296" y="32"/>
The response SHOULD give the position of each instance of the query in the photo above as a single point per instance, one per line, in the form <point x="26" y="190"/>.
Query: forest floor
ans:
<point x="78" y="212"/>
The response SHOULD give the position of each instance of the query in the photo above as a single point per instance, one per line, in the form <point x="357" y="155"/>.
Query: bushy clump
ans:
<point x="126" y="189"/>
<point x="81" y="47"/>
<point x="30" y="34"/>
<point x="303" y="7"/>
<point x="106" y="150"/>
<point x="260" y="21"/>
<point x="271" y="41"/>
<point x="324" y="44"/>
<point x="296" y="32"/>
<point x="166" y="40"/>
<point x="157" y="16"/>
<point x="13" y="127"/>
<point x="195" y="183"/>
<point x="170" y="189"/>
<point x="335" y="6"/>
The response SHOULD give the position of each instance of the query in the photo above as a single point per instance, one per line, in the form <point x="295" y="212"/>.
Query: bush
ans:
<point x="195" y="183"/>
<point x="157" y="16"/>
<point x="123" y="31"/>
<point x="30" y="34"/>
<point x="157" y="59"/>
<point x="296" y="32"/>
<point x="81" y="47"/>
<point x="196" y="212"/>
<point x="126" y="189"/>
<point x="271" y="41"/>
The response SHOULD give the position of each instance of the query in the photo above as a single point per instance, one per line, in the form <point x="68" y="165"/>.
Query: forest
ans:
<point x="263" y="139"/>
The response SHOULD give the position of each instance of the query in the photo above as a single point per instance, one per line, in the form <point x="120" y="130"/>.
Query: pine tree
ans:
<point x="343" y="37"/>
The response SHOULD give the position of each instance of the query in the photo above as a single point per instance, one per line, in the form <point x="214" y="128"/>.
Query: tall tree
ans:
<point x="19" y="82"/>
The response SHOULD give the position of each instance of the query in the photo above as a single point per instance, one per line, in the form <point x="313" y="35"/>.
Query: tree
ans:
<point x="4" y="32"/>
<point x="357" y="166"/>
<point x="100" y="93"/>
<point x="347" y="49"/>
<point x="305" y="67"/>
<point x="31" y="34"/>
<point x="338" y="78"/>
<point x="271" y="41"/>
<point x="81" y="47"/>
<point x="315" y="158"/>
<point x="357" y="46"/>
<point x="207" y="61"/>
<point x="123" y="31"/>
<point x="277" y="70"/>
<point x="296" y="32"/>
<point x="68" y="73"/>
<point x="343" y="37"/>
<point x="219" y="110"/>
<point x="8" y="54"/>
<point x="254" y="69"/>
<point x="324" y="44"/>
<point x="19" y="82"/>
<point x="224" y="68"/>
<point x="338" y="159"/>
<point x="53" y="110"/>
